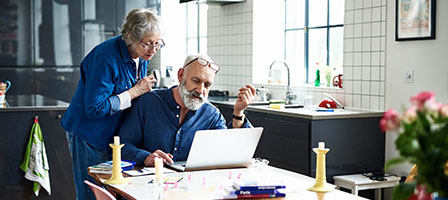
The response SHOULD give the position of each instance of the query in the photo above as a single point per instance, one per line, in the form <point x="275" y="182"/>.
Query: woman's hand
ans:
<point x="166" y="157"/>
<point x="143" y="86"/>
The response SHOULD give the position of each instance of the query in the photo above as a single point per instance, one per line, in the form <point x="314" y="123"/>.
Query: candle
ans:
<point x="158" y="162"/>
<point x="116" y="140"/>
<point x="321" y="145"/>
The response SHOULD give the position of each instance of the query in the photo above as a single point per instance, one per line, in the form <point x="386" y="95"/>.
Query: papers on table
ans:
<point x="146" y="171"/>
<point x="106" y="167"/>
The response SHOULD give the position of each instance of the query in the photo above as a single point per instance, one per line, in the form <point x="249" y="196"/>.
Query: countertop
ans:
<point x="31" y="102"/>
<point x="300" y="112"/>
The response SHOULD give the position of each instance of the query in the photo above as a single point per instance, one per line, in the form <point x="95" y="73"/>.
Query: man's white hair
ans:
<point x="194" y="56"/>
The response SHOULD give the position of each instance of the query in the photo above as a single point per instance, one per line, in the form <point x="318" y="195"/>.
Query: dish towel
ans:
<point x="35" y="162"/>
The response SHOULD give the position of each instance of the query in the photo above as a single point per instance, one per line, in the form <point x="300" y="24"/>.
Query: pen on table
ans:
<point x="325" y="110"/>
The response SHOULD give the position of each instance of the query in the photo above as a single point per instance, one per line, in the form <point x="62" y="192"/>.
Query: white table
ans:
<point x="358" y="182"/>
<point x="210" y="180"/>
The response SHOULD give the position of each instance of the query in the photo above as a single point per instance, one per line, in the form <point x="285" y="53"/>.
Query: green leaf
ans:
<point x="394" y="161"/>
<point x="404" y="191"/>
<point x="407" y="145"/>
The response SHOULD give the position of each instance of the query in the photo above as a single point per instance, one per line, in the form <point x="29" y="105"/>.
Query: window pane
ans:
<point x="336" y="48"/>
<point x="203" y="45"/>
<point x="192" y="19"/>
<point x="203" y="19"/>
<point x="317" y="13"/>
<point x="192" y="46"/>
<point x="295" y="56"/>
<point x="295" y="14"/>
<point x="337" y="12"/>
<point x="317" y="51"/>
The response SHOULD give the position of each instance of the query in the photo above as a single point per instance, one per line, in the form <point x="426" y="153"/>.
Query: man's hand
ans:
<point x="143" y="86"/>
<point x="245" y="97"/>
<point x="166" y="157"/>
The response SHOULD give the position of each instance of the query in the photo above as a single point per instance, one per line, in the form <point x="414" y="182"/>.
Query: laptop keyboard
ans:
<point x="178" y="166"/>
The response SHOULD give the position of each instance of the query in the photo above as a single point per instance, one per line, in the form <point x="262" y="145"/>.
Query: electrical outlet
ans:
<point x="409" y="76"/>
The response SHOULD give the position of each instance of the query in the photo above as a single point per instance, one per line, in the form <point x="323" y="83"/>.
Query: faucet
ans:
<point x="289" y="93"/>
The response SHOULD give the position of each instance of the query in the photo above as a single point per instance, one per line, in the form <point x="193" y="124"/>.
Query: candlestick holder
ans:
<point x="117" y="176"/>
<point x="321" y="184"/>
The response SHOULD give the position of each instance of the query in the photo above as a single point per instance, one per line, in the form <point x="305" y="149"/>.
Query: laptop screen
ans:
<point x="223" y="148"/>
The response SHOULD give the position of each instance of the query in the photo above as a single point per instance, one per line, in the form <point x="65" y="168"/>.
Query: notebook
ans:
<point x="222" y="148"/>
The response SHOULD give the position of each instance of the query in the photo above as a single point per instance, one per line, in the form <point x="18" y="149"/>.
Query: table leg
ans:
<point x="355" y="190"/>
<point x="378" y="194"/>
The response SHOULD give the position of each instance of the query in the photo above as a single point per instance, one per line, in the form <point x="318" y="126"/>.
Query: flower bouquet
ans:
<point x="423" y="141"/>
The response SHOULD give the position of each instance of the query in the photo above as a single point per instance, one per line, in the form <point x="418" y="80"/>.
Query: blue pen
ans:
<point x="325" y="110"/>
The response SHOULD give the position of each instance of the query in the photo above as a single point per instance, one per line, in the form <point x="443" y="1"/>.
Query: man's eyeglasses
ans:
<point x="159" y="44"/>
<point x="204" y="62"/>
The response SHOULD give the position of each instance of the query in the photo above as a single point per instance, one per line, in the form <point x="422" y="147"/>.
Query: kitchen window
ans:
<point x="314" y="36"/>
<point x="196" y="40"/>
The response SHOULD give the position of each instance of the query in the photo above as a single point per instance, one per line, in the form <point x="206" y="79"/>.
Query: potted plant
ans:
<point x="423" y="141"/>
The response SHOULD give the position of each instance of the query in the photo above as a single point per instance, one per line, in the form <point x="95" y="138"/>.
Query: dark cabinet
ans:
<point x="15" y="128"/>
<point x="284" y="142"/>
<point x="356" y="144"/>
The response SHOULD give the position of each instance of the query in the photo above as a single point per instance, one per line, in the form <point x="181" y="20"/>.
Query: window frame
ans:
<point x="198" y="35"/>
<point x="306" y="29"/>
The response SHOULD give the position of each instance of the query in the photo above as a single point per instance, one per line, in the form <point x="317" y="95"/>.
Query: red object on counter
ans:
<point x="328" y="103"/>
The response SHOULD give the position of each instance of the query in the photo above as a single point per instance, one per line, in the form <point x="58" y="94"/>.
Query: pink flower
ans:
<point x="422" y="98"/>
<point x="410" y="115"/>
<point x="390" y="120"/>
<point x="432" y="106"/>
<point x="444" y="110"/>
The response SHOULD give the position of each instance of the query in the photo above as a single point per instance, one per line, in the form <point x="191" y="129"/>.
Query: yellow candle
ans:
<point x="158" y="162"/>
<point x="116" y="140"/>
<point x="321" y="145"/>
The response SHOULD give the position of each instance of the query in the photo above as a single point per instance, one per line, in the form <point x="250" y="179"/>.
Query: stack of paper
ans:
<point x="253" y="189"/>
<point x="106" y="167"/>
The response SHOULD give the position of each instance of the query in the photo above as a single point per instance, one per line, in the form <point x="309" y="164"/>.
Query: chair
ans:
<point x="100" y="193"/>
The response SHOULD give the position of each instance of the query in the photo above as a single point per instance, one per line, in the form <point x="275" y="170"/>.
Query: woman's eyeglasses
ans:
<point x="204" y="62"/>
<point x="158" y="45"/>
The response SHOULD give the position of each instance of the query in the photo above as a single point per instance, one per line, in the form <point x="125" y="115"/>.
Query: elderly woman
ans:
<point x="112" y="75"/>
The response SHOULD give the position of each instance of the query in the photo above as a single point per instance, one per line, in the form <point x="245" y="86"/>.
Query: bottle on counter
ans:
<point x="317" y="81"/>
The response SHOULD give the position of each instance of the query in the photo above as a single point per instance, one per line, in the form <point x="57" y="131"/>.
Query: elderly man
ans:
<point x="162" y="123"/>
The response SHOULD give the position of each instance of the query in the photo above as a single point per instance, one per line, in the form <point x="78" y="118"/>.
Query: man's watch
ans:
<point x="238" y="117"/>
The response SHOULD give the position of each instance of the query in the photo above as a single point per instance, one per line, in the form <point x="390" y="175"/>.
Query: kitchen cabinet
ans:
<point x="16" y="121"/>
<point x="356" y="143"/>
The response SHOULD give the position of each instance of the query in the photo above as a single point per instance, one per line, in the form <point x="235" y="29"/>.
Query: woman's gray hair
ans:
<point x="138" y="23"/>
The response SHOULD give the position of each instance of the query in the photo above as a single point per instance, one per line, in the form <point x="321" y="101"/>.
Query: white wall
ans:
<point x="173" y="54"/>
<point x="428" y="59"/>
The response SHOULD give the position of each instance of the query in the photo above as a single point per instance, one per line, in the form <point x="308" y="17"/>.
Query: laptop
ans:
<point x="220" y="148"/>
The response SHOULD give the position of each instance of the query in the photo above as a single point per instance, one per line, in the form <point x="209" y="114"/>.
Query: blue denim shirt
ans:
<point x="94" y="112"/>
<point x="153" y="123"/>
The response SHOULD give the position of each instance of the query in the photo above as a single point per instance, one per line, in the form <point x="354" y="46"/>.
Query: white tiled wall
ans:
<point x="230" y="45"/>
<point x="364" y="53"/>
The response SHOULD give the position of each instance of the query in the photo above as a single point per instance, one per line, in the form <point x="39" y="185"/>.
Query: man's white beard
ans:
<point x="187" y="97"/>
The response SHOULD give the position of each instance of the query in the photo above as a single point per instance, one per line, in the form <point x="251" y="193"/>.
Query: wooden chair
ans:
<point x="100" y="193"/>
